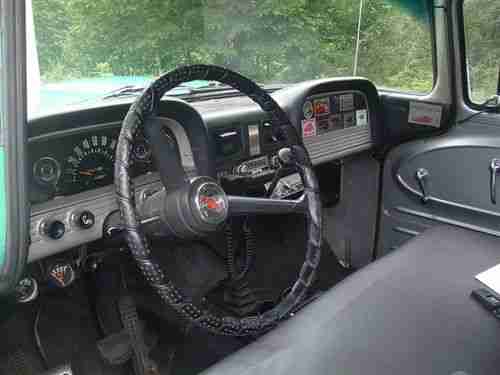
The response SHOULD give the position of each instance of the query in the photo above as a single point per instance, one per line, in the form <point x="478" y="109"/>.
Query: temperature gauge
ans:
<point x="46" y="171"/>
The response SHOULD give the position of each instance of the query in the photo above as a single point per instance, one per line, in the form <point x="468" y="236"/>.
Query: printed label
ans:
<point x="347" y="102"/>
<point x="361" y="117"/>
<point x="335" y="122"/>
<point x="323" y="126"/>
<point x="425" y="114"/>
<point x="349" y="119"/>
<point x="308" y="110"/>
<point x="308" y="128"/>
<point x="322" y="106"/>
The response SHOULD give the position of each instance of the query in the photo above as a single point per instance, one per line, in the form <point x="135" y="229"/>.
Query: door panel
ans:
<point x="456" y="176"/>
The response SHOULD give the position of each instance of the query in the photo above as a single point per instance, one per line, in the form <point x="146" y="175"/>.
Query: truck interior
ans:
<point x="249" y="187"/>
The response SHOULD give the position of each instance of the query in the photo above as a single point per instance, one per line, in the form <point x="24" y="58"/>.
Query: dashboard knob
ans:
<point x="85" y="220"/>
<point x="285" y="155"/>
<point x="275" y="162"/>
<point x="243" y="170"/>
<point x="54" y="229"/>
<point x="26" y="290"/>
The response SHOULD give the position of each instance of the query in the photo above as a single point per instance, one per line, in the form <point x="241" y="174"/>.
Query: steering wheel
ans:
<point x="195" y="206"/>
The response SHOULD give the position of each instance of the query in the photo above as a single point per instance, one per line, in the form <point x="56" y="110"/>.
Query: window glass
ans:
<point x="482" y="46"/>
<point x="89" y="47"/>
<point x="396" y="48"/>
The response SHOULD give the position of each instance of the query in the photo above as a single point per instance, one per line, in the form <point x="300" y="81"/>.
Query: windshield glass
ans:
<point x="86" y="49"/>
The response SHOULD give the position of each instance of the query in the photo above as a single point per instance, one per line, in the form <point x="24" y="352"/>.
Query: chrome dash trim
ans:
<point x="254" y="140"/>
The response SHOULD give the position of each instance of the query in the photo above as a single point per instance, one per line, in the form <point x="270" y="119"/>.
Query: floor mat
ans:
<point x="279" y="256"/>
<point x="192" y="350"/>
<point x="68" y="334"/>
<point x="281" y="253"/>
<point x="18" y="352"/>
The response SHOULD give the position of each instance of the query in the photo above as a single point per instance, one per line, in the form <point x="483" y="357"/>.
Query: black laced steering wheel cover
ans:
<point x="144" y="107"/>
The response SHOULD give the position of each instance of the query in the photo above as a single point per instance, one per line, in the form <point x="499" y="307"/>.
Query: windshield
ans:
<point x="86" y="49"/>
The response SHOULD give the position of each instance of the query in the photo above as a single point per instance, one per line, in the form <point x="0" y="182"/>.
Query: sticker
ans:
<point x="349" y="119"/>
<point x="361" y="117"/>
<point x="334" y="104"/>
<point x="425" y="114"/>
<point x="308" y="128"/>
<point x="323" y="125"/>
<point x="346" y="102"/>
<point x="308" y="110"/>
<point x="336" y="122"/>
<point x="322" y="106"/>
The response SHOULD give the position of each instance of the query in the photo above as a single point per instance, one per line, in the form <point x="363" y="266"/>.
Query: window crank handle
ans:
<point x="422" y="175"/>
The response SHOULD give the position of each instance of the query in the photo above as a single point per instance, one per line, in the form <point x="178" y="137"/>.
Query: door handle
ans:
<point x="494" y="169"/>
<point x="422" y="175"/>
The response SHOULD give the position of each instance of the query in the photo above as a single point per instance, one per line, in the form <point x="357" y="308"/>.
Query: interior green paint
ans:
<point x="3" y="206"/>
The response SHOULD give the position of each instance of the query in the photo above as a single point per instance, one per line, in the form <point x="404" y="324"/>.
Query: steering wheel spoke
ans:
<point x="166" y="154"/>
<point x="239" y="205"/>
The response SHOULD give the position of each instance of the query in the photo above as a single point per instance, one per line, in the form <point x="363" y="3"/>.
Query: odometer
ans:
<point x="90" y="165"/>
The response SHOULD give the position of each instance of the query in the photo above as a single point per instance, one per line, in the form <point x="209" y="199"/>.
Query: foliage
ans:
<point x="482" y="31"/>
<point x="268" y="40"/>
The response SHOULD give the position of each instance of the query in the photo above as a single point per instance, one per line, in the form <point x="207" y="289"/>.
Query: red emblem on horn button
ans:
<point x="212" y="203"/>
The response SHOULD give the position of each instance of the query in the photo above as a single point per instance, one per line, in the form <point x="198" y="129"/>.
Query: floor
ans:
<point x="65" y="324"/>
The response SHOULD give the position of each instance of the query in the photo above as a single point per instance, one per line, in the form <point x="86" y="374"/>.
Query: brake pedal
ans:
<point x="60" y="370"/>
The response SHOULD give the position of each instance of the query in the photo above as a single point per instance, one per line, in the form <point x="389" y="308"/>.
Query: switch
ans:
<point x="85" y="220"/>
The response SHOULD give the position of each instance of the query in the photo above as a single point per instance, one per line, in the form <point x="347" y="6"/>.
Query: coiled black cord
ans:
<point x="237" y="272"/>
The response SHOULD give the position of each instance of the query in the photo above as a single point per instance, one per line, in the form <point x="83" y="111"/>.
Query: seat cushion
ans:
<point x="407" y="313"/>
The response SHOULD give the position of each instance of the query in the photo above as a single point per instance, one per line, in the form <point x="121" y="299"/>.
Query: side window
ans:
<point x="396" y="47"/>
<point x="482" y="48"/>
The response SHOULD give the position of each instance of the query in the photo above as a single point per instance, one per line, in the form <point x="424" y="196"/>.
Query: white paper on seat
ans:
<point x="491" y="278"/>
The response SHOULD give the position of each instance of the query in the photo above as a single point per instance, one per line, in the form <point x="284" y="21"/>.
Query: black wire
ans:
<point x="235" y="271"/>
<point x="38" y="341"/>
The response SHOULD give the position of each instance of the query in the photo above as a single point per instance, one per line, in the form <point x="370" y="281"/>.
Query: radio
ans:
<point x="253" y="167"/>
<point x="258" y="174"/>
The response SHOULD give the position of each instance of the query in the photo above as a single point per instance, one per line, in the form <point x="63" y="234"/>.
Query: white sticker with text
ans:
<point x="361" y="117"/>
<point x="425" y="114"/>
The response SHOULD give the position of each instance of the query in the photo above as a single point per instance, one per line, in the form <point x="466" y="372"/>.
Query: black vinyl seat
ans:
<point x="407" y="313"/>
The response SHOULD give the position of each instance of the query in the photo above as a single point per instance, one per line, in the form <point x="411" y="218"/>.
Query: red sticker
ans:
<point x="308" y="128"/>
<point x="322" y="106"/>
<point x="423" y="119"/>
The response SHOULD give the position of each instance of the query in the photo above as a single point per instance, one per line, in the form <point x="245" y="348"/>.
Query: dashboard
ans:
<point x="72" y="153"/>
<point x="80" y="160"/>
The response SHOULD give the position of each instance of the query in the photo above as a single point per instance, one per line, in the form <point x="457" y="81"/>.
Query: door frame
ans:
<point x="13" y="141"/>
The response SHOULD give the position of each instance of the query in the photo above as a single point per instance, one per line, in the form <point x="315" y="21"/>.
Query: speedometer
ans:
<point x="90" y="164"/>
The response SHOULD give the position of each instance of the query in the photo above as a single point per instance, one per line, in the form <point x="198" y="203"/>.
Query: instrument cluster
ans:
<point x="63" y="165"/>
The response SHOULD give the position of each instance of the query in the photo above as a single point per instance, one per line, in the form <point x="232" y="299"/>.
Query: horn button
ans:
<point x="211" y="203"/>
<point x="195" y="209"/>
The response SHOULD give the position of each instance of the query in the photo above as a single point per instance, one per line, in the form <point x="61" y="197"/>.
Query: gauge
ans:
<point x="91" y="164"/>
<point x="46" y="171"/>
<point x="141" y="150"/>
